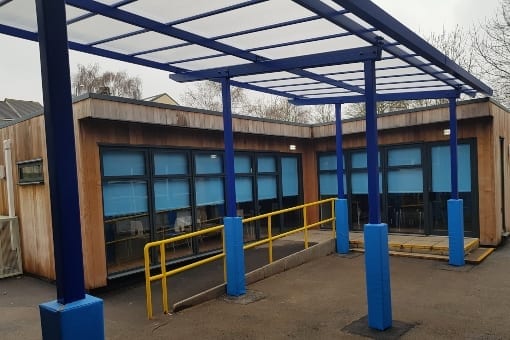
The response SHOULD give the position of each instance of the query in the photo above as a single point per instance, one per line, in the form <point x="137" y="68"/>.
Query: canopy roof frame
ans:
<point x="362" y="23"/>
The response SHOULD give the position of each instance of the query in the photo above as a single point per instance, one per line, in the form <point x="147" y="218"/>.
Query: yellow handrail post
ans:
<point x="148" y="292"/>
<point x="305" y="225"/>
<point x="270" y="237"/>
<point x="164" y="288"/>
<point x="224" y="257"/>
<point x="334" y="218"/>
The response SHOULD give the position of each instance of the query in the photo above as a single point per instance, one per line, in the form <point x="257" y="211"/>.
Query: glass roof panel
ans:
<point x="266" y="76"/>
<point x="418" y="89"/>
<point x="19" y="14"/>
<point x="109" y="2"/>
<point x="285" y="34"/>
<point x="333" y="5"/>
<point x="328" y="70"/>
<point x="347" y="76"/>
<point x="396" y="71"/>
<point x="413" y="78"/>
<point x="179" y="54"/>
<point x="358" y="20"/>
<point x="285" y="82"/>
<point x="73" y="12"/>
<point x="423" y="84"/>
<point x="223" y="61"/>
<point x="250" y="17"/>
<point x="304" y="87"/>
<point x="169" y="11"/>
<point x="98" y="28"/>
<point x="318" y="91"/>
<point x="319" y="46"/>
<point x="140" y="42"/>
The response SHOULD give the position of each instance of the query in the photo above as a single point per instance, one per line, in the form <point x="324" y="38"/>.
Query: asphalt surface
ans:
<point x="317" y="300"/>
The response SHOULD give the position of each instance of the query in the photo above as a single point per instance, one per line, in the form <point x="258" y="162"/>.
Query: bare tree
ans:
<point x="90" y="79"/>
<point x="492" y="44"/>
<point x="274" y="107"/>
<point x="323" y="113"/>
<point x="207" y="95"/>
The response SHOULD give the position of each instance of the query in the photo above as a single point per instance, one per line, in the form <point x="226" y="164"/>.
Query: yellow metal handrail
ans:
<point x="269" y="239"/>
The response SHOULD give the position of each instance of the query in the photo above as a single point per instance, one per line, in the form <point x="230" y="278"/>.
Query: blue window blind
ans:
<point x="289" y="176"/>
<point x="405" y="181"/>
<point x="171" y="194"/>
<point x="441" y="177"/>
<point x="166" y="163"/>
<point x="209" y="191"/>
<point x="328" y="184"/>
<point x="208" y="163"/>
<point x="327" y="162"/>
<point x="244" y="192"/>
<point x="359" y="160"/>
<point x="242" y="164"/>
<point x="407" y="156"/>
<point x="266" y="187"/>
<point x="123" y="163"/>
<point x="124" y="198"/>
<point x="266" y="164"/>
<point x="359" y="182"/>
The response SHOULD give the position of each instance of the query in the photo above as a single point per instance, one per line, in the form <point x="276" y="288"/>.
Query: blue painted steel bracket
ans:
<point x="236" y="284"/>
<point x="342" y="226"/>
<point x="352" y="55"/>
<point x="79" y="320"/>
<point x="456" y="232"/>
<point x="377" y="271"/>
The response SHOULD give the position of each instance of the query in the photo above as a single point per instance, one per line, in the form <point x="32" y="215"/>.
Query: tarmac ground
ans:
<point x="320" y="299"/>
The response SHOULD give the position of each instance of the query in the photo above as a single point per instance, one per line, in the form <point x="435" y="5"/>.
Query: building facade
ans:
<point x="149" y="171"/>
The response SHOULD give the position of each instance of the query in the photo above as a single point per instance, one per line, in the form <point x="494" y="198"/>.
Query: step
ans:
<point x="478" y="255"/>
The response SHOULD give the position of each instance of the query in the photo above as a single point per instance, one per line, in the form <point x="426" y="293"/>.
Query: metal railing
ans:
<point x="164" y="273"/>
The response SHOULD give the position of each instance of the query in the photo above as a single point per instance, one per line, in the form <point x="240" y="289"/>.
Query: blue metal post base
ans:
<point x="456" y="232"/>
<point x="79" y="320"/>
<point x="377" y="269"/>
<point x="342" y="226"/>
<point x="236" y="284"/>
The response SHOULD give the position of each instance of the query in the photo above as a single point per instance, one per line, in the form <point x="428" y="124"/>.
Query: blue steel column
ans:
<point x="342" y="220"/>
<point x="234" y="251"/>
<point x="377" y="268"/>
<point x="455" y="205"/>
<point x="73" y="315"/>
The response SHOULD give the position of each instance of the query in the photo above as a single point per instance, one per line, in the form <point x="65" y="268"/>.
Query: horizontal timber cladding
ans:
<point x="93" y="132"/>
<point x="161" y="114"/>
<point x="31" y="201"/>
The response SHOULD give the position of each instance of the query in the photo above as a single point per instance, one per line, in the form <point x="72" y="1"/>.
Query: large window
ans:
<point x="155" y="193"/>
<point x="405" y="190"/>
<point x="125" y="207"/>
<point x="414" y="182"/>
<point x="172" y="199"/>
<point x="441" y="186"/>
<point x="359" y="189"/>
<point x="328" y="183"/>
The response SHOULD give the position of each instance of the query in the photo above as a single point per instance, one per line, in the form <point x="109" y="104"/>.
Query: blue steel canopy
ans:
<point x="310" y="51"/>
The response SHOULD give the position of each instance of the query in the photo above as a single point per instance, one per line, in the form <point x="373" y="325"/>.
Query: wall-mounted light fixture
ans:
<point x="292" y="147"/>
<point x="446" y="132"/>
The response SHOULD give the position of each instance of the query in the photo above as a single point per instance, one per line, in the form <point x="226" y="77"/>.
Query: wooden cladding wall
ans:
<point x="32" y="201"/>
<point x="91" y="132"/>
<point x="176" y="116"/>
<point x="500" y="178"/>
<point x="480" y="128"/>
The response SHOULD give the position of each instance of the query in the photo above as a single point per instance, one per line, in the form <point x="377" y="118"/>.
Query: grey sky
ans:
<point x="20" y="70"/>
